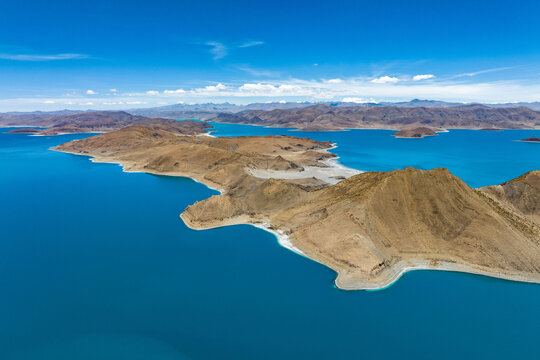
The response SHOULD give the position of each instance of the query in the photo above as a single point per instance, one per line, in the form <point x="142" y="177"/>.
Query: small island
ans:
<point x="24" y="131"/>
<point x="416" y="133"/>
<point x="532" y="139"/>
<point x="369" y="227"/>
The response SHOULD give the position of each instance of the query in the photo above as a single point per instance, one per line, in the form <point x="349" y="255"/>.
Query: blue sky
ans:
<point x="124" y="54"/>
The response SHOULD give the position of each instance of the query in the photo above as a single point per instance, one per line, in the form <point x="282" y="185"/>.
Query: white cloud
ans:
<point x="49" y="102"/>
<point x="385" y="79"/>
<point x="334" y="81"/>
<point x="423" y="77"/>
<point x="257" y="87"/>
<point x="30" y="57"/>
<point x="357" y="100"/>
<point x="211" y="88"/>
<point x="152" y="92"/>
<point x="177" y="91"/>
<point x="113" y="90"/>
<point x="91" y="92"/>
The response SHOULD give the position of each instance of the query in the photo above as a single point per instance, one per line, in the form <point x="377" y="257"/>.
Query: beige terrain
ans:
<point x="369" y="228"/>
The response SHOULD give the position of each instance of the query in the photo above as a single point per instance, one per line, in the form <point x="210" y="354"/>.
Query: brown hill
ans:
<point x="326" y="117"/>
<point x="221" y="163"/>
<point x="98" y="122"/>
<point x="24" y="131"/>
<point x="521" y="194"/>
<point x="419" y="132"/>
<point x="373" y="226"/>
<point x="369" y="228"/>
<point x="532" y="139"/>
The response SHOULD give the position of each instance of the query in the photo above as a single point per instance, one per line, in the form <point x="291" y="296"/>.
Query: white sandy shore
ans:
<point x="209" y="134"/>
<point x="348" y="282"/>
<point x="283" y="239"/>
<point x="333" y="173"/>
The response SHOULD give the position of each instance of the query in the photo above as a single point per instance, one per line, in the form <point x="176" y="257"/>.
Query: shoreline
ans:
<point x="399" y="269"/>
<point x="283" y="239"/>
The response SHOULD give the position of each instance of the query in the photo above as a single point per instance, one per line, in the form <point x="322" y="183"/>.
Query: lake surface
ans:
<point x="96" y="264"/>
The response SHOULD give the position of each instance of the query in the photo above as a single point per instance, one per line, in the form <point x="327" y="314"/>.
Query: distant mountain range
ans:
<point x="307" y="116"/>
<point x="93" y="122"/>
<point x="325" y="117"/>
<point x="208" y="110"/>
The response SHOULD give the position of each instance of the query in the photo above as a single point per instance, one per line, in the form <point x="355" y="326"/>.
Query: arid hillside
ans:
<point x="369" y="228"/>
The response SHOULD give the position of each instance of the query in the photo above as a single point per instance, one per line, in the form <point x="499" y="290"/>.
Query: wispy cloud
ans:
<point x="258" y="72"/>
<point x="91" y="92"/>
<point x="37" y="57"/>
<point x="217" y="49"/>
<point x="470" y="74"/>
<point x="250" y="44"/>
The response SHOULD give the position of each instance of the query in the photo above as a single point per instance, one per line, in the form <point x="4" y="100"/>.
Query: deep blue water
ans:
<point x="478" y="157"/>
<point x="96" y="264"/>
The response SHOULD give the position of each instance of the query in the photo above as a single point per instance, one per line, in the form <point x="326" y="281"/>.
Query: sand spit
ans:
<point x="333" y="173"/>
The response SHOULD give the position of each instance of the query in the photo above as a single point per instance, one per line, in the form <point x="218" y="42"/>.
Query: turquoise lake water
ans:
<point x="96" y="264"/>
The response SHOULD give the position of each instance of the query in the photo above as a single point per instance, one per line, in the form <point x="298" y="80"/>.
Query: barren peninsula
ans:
<point x="369" y="227"/>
